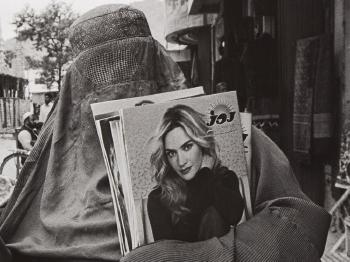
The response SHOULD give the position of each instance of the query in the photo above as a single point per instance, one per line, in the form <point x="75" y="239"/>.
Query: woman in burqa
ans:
<point x="61" y="208"/>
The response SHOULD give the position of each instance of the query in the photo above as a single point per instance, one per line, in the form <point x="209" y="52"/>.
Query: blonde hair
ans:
<point x="173" y="187"/>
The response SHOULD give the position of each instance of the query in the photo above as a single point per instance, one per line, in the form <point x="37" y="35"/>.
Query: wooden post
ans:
<point x="1" y="86"/>
<point x="14" y="113"/>
<point x="212" y="59"/>
<point x="347" y="235"/>
<point x="4" y="125"/>
<point x="233" y="17"/>
<point x="204" y="57"/>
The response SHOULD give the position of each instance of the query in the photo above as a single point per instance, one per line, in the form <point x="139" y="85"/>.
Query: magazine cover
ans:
<point x="211" y="124"/>
<point x="106" y="113"/>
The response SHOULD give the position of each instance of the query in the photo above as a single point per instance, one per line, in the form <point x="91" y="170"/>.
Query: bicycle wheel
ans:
<point x="11" y="165"/>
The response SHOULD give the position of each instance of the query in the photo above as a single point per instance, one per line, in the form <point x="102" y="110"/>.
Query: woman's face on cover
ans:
<point x="183" y="154"/>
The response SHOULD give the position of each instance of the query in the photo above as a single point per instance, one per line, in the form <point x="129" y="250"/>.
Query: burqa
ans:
<point x="62" y="210"/>
<point x="62" y="206"/>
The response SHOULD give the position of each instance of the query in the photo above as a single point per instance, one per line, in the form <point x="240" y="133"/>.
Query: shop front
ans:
<point x="278" y="56"/>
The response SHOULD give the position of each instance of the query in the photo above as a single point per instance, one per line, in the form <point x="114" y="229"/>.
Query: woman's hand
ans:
<point x="208" y="161"/>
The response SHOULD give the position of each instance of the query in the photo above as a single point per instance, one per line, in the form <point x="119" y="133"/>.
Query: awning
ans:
<point x="181" y="28"/>
<point x="183" y="55"/>
<point x="6" y="71"/>
<point x="203" y="6"/>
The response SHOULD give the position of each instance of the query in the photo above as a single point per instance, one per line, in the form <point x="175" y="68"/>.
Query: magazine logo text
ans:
<point x="220" y="114"/>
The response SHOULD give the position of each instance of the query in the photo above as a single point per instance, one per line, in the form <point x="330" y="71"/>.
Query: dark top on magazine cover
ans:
<point x="217" y="189"/>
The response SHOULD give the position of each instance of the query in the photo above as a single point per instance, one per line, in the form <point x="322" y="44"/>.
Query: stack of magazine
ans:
<point x="125" y="128"/>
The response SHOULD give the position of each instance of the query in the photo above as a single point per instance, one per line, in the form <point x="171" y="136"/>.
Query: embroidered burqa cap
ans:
<point x="114" y="45"/>
<point x="107" y="23"/>
<point x="61" y="207"/>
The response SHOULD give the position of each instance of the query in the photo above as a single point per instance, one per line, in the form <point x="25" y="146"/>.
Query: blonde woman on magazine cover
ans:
<point x="196" y="198"/>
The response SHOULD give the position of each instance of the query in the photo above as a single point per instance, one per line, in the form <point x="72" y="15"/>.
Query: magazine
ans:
<point x="246" y="122"/>
<point x="103" y="113"/>
<point x="127" y="148"/>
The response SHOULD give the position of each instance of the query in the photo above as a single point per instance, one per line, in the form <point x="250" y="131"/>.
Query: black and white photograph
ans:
<point x="174" y="130"/>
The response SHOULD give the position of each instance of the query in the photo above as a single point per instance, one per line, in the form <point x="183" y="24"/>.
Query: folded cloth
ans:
<point x="287" y="226"/>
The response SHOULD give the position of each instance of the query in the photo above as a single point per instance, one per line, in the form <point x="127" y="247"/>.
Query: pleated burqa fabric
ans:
<point x="62" y="207"/>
